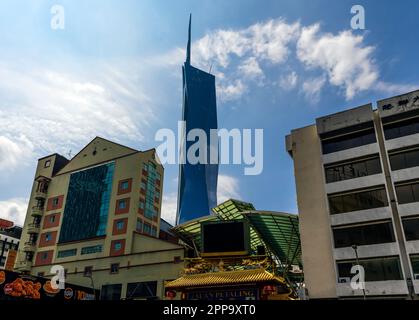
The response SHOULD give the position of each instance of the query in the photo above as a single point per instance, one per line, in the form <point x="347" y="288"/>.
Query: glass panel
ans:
<point x="380" y="269"/>
<point x="404" y="194"/>
<point x="363" y="235"/>
<point x="349" y="141"/>
<point x="141" y="289"/>
<point x="411" y="229"/>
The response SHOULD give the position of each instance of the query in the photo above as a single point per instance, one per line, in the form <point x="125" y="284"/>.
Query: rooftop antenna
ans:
<point x="210" y="68"/>
<point x="69" y="154"/>
<point x="188" y="48"/>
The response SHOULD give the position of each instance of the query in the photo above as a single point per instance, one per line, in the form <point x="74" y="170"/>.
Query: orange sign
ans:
<point x="10" y="260"/>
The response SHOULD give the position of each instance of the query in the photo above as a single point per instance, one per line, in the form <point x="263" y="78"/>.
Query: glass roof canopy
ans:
<point x="277" y="231"/>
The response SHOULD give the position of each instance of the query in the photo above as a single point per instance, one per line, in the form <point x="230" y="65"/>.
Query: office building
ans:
<point x="357" y="183"/>
<point x="9" y="242"/>
<point x="197" y="192"/>
<point x="98" y="216"/>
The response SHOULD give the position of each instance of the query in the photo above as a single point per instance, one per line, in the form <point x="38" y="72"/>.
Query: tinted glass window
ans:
<point x="352" y="170"/>
<point x="358" y="201"/>
<point x="349" y="141"/>
<point x="363" y="235"/>
<point x="402" y="128"/>
<point x="141" y="289"/>
<point x="402" y="160"/>
<point x="379" y="269"/>
<point x="111" y="292"/>
<point x="411" y="228"/>
<point x="407" y="193"/>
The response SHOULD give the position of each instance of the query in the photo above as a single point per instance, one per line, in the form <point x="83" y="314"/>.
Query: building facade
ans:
<point x="357" y="181"/>
<point x="197" y="181"/>
<point x="9" y="243"/>
<point x="98" y="216"/>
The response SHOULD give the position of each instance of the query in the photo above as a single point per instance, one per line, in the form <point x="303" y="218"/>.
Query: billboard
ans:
<point x="15" y="286"/>
<point x="223" y="238"/>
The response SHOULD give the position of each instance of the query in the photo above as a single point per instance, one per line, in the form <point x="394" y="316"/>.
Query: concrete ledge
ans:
<point x="374" y="288"/>
<point x="402" y="142"/>
<point x="405" y="174"/>
<point x="357" y="183"/>
<point x="408" y="209"/>
<point x="412" y="247"/>
<point x="370" y="251"/>
<point x="351" y="153"/>
<point x="360" y="216"/>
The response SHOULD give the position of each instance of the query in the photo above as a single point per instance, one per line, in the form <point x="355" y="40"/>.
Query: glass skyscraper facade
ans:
<point x="197" y="182"/>
<point x="87" y="205"/>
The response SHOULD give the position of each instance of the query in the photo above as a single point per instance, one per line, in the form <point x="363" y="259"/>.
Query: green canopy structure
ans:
<point x="277" y="231"/>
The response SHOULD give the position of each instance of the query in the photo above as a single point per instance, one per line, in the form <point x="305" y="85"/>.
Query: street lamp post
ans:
<point x="355" y="247"/>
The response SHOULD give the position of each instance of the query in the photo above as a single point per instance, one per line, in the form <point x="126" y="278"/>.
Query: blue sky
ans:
<point x="115" y="71"/>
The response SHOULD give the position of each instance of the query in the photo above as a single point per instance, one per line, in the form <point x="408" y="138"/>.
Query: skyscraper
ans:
<point x="197" y="182"/>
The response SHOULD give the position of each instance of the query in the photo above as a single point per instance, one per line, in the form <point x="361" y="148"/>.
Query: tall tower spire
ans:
<point x="188" y="48"/>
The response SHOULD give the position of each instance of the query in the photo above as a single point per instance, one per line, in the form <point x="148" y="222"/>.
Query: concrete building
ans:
<point x="98" y="216"/>
<point x="9" y="242"/>
<point x="357" y="181"/>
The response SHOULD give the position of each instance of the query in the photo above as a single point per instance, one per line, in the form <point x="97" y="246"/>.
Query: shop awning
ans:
<point x="214" y="279"/>
<point x="278" y="231"/>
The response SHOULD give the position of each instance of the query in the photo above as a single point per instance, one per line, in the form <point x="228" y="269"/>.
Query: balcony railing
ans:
<point x="40" y="194"/>
<point x="33" y="228"/>
<point x="24" y="265"/>
<point x="29" y="246"/>
<point x="37" y="211"/>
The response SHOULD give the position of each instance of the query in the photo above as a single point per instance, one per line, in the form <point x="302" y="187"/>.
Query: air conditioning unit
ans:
<point x="344" y="279"/>
<point x="416" y="276"/>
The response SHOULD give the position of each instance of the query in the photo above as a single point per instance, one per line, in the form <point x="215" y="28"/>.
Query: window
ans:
<point x="141" y="289"/>
<point x="401" y="128"/>
<point x="407" y="193"/>
<point x="353" y="169"/>
<point x="47" y="164"/>
<point x="141" y="204"/>
<point x="41" y="274"/>
<point x="147" y="228"/>
<point x="404" y="159"/>
<point x="414" y="259"/>
<point x="154" y="231"/>
<point x="139" y="226"/>
<point x="55" y="202"/>
<point x="124" y="185"/>
<point x="48" y="237"/>
<point x="114" y="268"/>
<point x="411" y="228"/>
<point x="44" y="256"/>
<point x="358" y="201"/>
<point x="374" y="233"/>
<point x="66" y="253"/>
<point x="117" y="246"/>
<point x="377" y="269"/>
<point x="88" y="271"/>
<point x="349" y="141"/>
<point x="120" y="225"/>
<point x="92" y="249"/>
<point x="52" y="218"/>
<point x="122" y="204"/>
<point x="111" y="292"/>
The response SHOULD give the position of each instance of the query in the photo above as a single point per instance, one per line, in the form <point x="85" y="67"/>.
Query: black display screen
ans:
<point x="225" y="237"/>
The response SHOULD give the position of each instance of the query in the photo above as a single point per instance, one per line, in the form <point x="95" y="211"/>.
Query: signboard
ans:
<point x="15" y="286"/>
<point x="10" y="260"/>
<point x="225" y="238"/>
<point x="234" y="294"/>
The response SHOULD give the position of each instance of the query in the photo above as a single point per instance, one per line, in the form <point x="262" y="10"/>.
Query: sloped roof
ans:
<point x="224" y="278"/>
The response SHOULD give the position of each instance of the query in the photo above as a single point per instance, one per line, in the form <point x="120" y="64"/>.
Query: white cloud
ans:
<point x="312" y="88"/>
<point x="395" y="89"/>
<point x="251" y="69"/>
<point x="14" y="210"/>
<point x="289" y="81"/>
<point x="169" y="208"/>
<point x="228" y="188"/>
<point x="232" y="91"/>
<point x="249" y="53"/>
<point x="43" y="110"/>
<point x="344" y="58"/>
